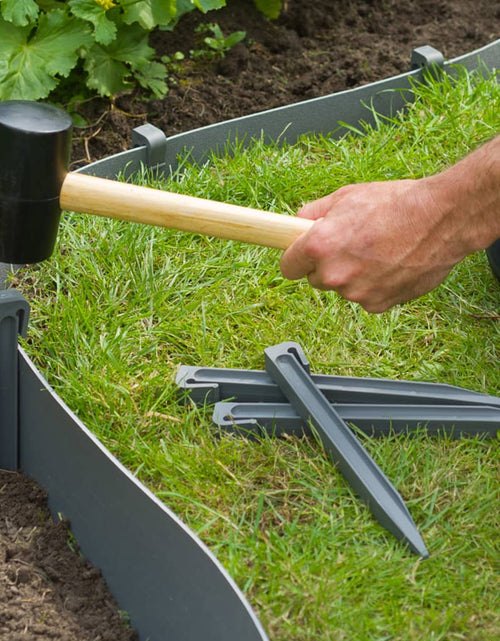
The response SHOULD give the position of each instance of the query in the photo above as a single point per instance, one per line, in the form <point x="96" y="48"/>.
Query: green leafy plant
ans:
<point x="270" y="8"/>
<point x="217" y="43"/>
<point x="104" y="41"/>
<point x="173" y="62"/>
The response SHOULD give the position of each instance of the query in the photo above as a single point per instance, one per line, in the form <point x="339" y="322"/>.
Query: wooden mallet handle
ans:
<point x="112" y="199"/>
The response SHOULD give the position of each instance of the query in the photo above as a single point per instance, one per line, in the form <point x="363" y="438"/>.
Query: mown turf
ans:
<point x="120" y="306"/>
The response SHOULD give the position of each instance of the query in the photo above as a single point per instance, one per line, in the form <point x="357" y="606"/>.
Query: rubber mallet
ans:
<point x="35" y="186"/>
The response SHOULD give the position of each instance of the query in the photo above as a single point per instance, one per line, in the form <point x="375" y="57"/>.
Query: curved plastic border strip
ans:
<point x="170" y="584"/>
<point x="324" y="115"/>
<point x="334" y="113"/>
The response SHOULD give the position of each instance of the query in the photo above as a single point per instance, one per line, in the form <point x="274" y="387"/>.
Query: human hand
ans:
<point x="378" y="244"/>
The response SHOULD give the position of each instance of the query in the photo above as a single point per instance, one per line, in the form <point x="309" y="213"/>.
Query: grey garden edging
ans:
<point x="160" y="573"/>
<point x="168" y="582"/>
<point x="319" y="115"/>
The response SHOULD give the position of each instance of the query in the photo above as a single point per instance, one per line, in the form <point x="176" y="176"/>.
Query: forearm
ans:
<point x="468" y="195"/>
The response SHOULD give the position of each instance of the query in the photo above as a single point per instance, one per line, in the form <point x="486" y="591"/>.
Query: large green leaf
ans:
<point x="29" y="64"/>
<point x="20" y="12"/>
<point x="109" y="68"/>
<point x="104" y="28"/>
<point x="131" y="46"/>
<point x="149" y="13"/>
<point x="106" y="74"/>
<point x="209" y="5"/>
<point x="11" y="39"/>
<point x="152" y="76"/>
<point x="183" y="6"/>
<point x="270" y="8"/>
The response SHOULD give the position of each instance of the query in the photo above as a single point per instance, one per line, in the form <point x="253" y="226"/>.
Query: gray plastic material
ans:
<point x="328" y="115"/>
<point x="126" y="164"/>
<point x="493" y="255"/>
<point x="426" y="57"/>
<point x="277" y="419"/>
<point x="155" y="142"/>
<point x="158" y="570"/>
<point x="14" y="312"/>
<point x="208" y="385"/>
<point x="6" y="271"/>
<point x="287" y="365"/>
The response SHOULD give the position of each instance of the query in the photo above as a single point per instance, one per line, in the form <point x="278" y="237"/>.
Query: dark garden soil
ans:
<point x="47" y="591"/>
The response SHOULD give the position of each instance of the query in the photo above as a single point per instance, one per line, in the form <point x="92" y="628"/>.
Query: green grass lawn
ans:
<point x="120" y="306"/>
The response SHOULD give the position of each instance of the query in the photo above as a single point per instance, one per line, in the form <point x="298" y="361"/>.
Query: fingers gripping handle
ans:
<point x="109" y="198"/>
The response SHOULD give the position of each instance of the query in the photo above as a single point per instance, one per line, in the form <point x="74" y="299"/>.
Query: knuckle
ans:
<point x="365" y="298"/>
<point x="335" y="280"/>
<point x="375" y="308"/>
<point x="319" y="244"/>
<point x="344" y="190"/>
<point x="314" y="247"/>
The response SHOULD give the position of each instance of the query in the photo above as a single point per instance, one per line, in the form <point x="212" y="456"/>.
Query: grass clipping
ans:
<point x="119" y="307"/>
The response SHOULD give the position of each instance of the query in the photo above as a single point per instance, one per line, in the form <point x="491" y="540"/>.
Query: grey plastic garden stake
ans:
<point x="287" y="365"/>
<point x="275" y="419"/>
<point x="207" y="385"/>
<point x="14" y="312"/>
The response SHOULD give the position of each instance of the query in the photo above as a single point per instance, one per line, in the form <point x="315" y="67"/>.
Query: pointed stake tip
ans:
<point x="417" y="546"/>
<point x="424" y="552"/>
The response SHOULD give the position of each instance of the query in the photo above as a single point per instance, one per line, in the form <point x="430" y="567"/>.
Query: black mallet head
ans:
<point x="35" y="141"/>
<point x="35" y="185"/>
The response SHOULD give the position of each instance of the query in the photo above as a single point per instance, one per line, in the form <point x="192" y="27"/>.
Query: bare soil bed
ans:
<point x="47" y="591"/>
